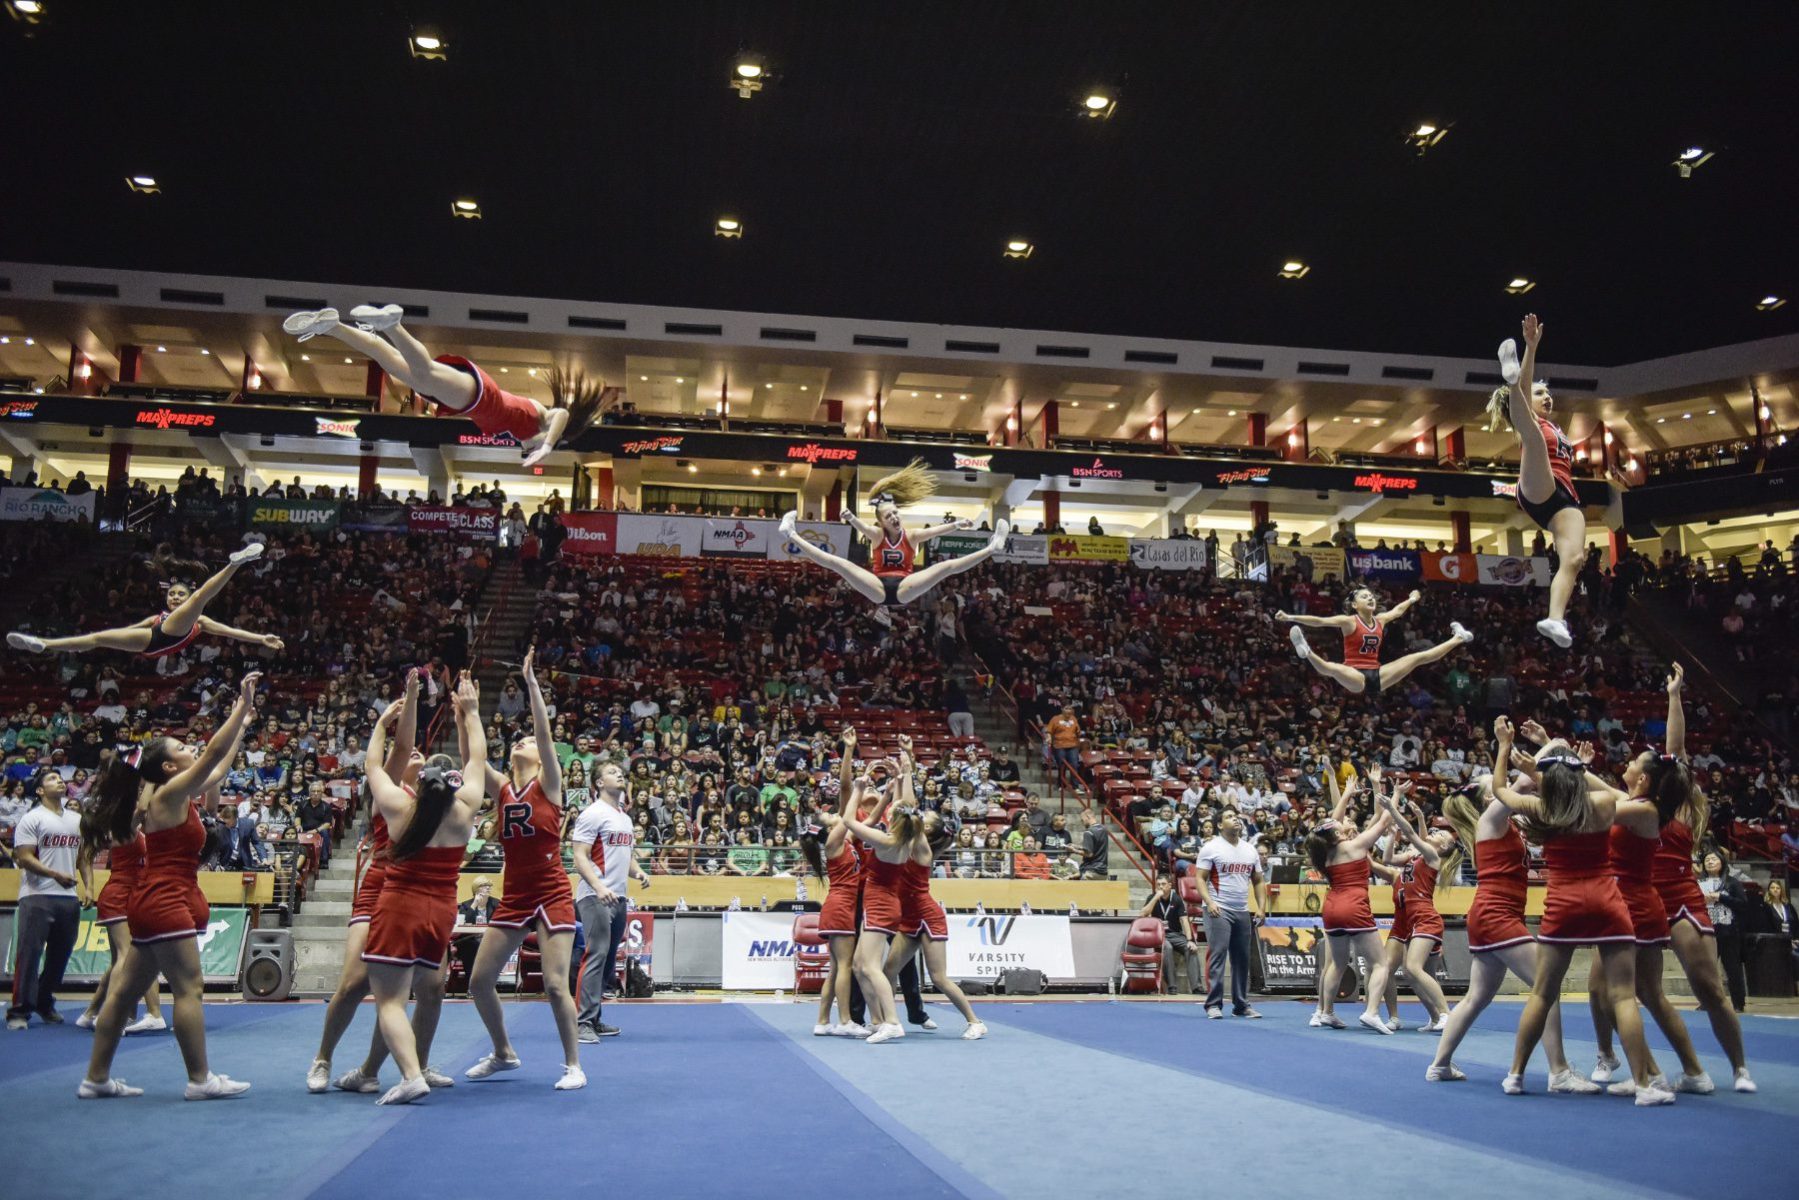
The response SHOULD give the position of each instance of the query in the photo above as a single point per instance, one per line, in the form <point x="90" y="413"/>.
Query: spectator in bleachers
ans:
<point x="1165" y="904"/>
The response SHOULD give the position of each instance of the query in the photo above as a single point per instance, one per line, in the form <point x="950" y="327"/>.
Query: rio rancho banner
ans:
<point x="47" y="504"/>
<point x="982" y="946"/>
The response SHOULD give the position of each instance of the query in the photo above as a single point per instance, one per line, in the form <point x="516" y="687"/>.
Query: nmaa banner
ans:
<point x="758" y="950"/>
<point x="983" y="945"/>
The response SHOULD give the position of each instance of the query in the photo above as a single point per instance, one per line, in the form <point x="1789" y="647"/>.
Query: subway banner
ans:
<point x="221" y="947"/>
<point x="660" y="537"/>
<point x="1083" y="548"/>
<point x="982" y="946"/>
<point x="45" y="504"/>
<point x="272" y="512"/>
<point x="1169" y="554"/>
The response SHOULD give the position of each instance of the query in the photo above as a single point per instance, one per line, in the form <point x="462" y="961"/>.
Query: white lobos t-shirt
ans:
<point x="1228" y="870"/>
<point x="57" y="839"/>
<point x="612" y="837"/>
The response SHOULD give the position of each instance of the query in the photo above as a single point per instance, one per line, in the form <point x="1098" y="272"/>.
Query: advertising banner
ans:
<point x="834" y="537"/>
<point x="1029" y="548"/>
<point x="1497" y="570"/>
<point x="955" y="545"/>
<point x="1311" y="562"/>
<point x="1169" y="554"/>
<point x="640" y="939"/>
<point x="1081" y="548"/>
<point x="1385" y="564"/>
<point x="980" y="947"/>
<point x="664" y="537"/>
<point x="221" y="946"/>
<point x="1449" y="568"/>
<point x="758" y="950"/>
<point x="46" y="504"/>
<point x="373" y="518"/>
<point x="590" y="533"/>
<point x="738" y="537"/>
<point x="272" y="512"/>
<point x="470" y="522"/>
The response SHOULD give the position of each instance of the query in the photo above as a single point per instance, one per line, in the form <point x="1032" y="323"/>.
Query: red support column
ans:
<point x="118" y="476"/>
<point x="1620" y="543"/>
<point x="834" y="501"/>
<point x="83" y="378"/>
<point x="1463" y="527"/>
<point x="1258" y="516"/>
<point x="374" y="382"/>
<point x="1052" y="509"/>
<point x="879" y="412"/>
<point x="251" y="378"/>
<point x="131" y="360"/>
<point x="1296" y="445"/>
<point x="834" y="412"/>
<point x="1455" y="446"/>
<point x="365" y="475"/>
<point x="605" y="489"/>
<point x="1258" y="429"/>
<point x="1052" y="423"/>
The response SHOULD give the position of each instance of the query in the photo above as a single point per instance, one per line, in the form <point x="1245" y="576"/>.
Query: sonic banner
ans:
<point x="982" y="946"/>
<point x="1504" y="571"/>
<point x="1169" y="554"/>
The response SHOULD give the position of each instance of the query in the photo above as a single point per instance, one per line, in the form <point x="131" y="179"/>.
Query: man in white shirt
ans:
<point x="600" y="894"/>
<point x="53" y="888"/>
<point x="1228" y="874"/>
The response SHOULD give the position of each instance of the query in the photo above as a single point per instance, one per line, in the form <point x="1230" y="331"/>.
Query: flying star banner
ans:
<point x="1169" y="554"/>
<point x="832" y="536"/>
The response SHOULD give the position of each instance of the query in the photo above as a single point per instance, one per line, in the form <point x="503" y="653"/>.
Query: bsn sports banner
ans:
<point x="1496" y="570"/>
<point x="758" y="950"/>
<point x="1169" y="554"/>
<point x="590" y="533"/>
<point x="824" y="535"/>
<point x="44" y="504"/>
<point x="275" y="513"/>
<point x="980" y="947"/>
<point x="663" y="537"/>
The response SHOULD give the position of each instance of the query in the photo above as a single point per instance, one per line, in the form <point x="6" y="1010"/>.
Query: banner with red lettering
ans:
<point x="469" y="522"/>
<point x="590" y="533"/>
<point x="1499" y="570"/>
<point x="639" y="941"/>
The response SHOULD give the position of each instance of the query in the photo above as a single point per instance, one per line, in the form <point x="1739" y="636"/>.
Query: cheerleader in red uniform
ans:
<point x="1363" y="628"/>
<point x="175" y="628"/>
<point x="154" y="788"/>
<point x="1340" y="853"/>
<point x="125" y="865"/>
<point x="410" y="929"/>
<point x="402" y="763"/>
<point x="1498" y="939"/>
<point x="535" y="893"/>
<point x="1417" y="932"/>
<point x="838" y="860"/>
<point x="454" y="383"/>
<point x="899" y="902"/>
<point x="1545" y="471"/>
<point x="893" y="582"/>
<point x="1571" y="817"/>
<point x="1666" y="781"/>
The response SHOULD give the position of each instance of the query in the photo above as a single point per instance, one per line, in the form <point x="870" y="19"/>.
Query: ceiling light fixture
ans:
<point x="1294" y="269"/>
<point x="1231" y="413"/>
<point x="162" y="349"/>
<point x="755" y="470"/>
<point x="692" y="469"/>
<point x="1519" y="285"/>
<point x="146" y="184"/>
<point x="203" y="350"/>
<point x="805" y="387"/>
<point x="1074" y="404"/>
<point x="5" y="341"/>
<point x="28" y="11"/>
<point x="1423" y="136"/>
<point x="1099" y="104"/>
<point x="727" y="227"/>
<point x="1769" y="303"/>
<point x="748" y="75"/>
<point x="1691" y="159"/>
<point x="429" y="44"/>
<point x="308" y="358"/>
<point x="680" y="379"/>
<point x="465" y="208"/>
<point x="1019" y="248"/>
<point x="1110" y="407"/>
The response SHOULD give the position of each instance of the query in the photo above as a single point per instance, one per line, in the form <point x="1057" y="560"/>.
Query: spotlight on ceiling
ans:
<point x="1294" y="269"/>
<point x="30" y="12"/>
<point x="1519" y="285"/>
<point x="1769" y="303"/>
<point x="429" y="44"/>
<point x="748" y="74"/>
<point x="1099" y="104"/>
<point x="1019" y="248"/>
<point x="727" y="227"/>
<point x="143" y="183"/>
<point x="1425" y="135"/>
<point x="465" y="208"/>
<point x="1691" y="159"/>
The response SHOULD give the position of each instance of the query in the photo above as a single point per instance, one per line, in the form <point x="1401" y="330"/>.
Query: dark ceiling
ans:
<point x="897" y="146"/>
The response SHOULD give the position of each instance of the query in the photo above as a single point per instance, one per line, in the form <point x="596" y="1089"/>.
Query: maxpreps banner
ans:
<point x="1169" y="554"/>
<point x="1085" y="549"/>
<point x="47" y="504"/>
<point x="832" y="537"/>
<point x="472" y="522"/>
<point x="738" y="537"/>
<point x="1385" y="564"/>
<point x="1504" y="571"/>
<point x="1312" y="562"/>
<point x="758" y="950"/>
<point x="590" y="532"/>
<point x="275" y="513"/>
<point x="980" y="947"/>
<point x="663" y="537"/>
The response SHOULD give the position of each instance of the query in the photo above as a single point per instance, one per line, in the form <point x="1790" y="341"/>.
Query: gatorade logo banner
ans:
<point x="1449" y="568"/>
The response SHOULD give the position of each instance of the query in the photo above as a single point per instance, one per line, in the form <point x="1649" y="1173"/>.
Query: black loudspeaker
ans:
<point x="269" y="965"/>
<point x="1022" y="981"/>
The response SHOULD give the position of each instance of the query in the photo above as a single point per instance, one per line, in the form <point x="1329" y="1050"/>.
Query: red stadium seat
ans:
<point x="1142" y="955"/>
<point x="811" y="956"/>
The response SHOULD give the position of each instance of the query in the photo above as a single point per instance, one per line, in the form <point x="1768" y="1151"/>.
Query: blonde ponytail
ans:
<point x="908" y="485"/>
<point x="1498" y="404"/>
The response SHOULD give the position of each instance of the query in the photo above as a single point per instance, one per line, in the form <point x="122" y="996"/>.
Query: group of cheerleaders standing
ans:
<point x="1620" y="879"/>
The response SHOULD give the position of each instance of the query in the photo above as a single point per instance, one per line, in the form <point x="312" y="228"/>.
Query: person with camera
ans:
<point x="1166" y="905"/>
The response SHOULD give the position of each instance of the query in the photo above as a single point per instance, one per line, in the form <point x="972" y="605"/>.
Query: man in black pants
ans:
<point x="908" y="979"/>
<point x="53" y="889"/>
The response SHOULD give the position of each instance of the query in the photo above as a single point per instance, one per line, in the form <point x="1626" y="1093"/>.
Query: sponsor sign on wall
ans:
<point x="1031" y="548"/>
<point x="981" y="946"/>
<point x="739" y="536"/>
<point x="1498" y="570"/>
<point x="825" y="535"/>
<point x="1385" y="564"/>
<point x="590" y="533"/>
<point x="221" y="946"/>
<point x="44" y="504"/>
<point x="664" y="537"/>
<point x="1169" y="554"/>
<point x="758" y="950"/>
<point x="1082" y="548"/>
<point x="275" y="513"/>
<point x="1311" y="562"/>
<point x="1449" y="568"/>
<point x="471" y="522"/>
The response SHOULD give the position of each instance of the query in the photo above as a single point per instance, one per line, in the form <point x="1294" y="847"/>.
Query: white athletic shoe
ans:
<point x="1652" y="1096"/>
<point x="573" y="1079"/>
<point x="1316" y="1020"/>
<point x="1604" y="1070"/>
<point x="436" y="1078"/>
<point x="850" y="1029"/>
<point x="1394" y="1024"/>
<point x="1333" y="1021"/>
<point x="247" y="554"/>
<point x="928" y="1025"/>
<point x="1556" y="631"/>
<point x="25" y="642"/>
<point x="824" y="1030"/>
<point x="406" y="1091"/>
<point x="216" y="1087"/>
<point x="1570" y="1083"/>
<point x="1508" y="362"/>
<point x="1438" y="1025"/>
<point x="789" y="523"/>
<point x="1214" y="1014"/>
<point x="1448" y="1073"/>
<point x="308" y="325"/>
<point x="86" y="1021"/>
<point x="1297" y="636"/>
<point x="1742" y="1082"/>
<point x="1699" y="1085"/>
<point x="1374" y="1023"/>
<point x="1002" y="529"/>
<point x="112" y="1089"/>
<point x="886" y="1033"/>
<point x="1463" y="634"/>
<point x="975" y="1032"/>
<point x="488" y="1064"/>
<point x="354" y="1080"/>
<point x="1512" y="1085"/>
<point x="318" y="1076"/>
<point x="150" y="1022"/>
<point x="373" y="319"/>
<point x="1628" y="1086"/>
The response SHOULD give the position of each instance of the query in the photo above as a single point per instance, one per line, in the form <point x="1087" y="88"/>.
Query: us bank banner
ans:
<point x="982" y="946"/>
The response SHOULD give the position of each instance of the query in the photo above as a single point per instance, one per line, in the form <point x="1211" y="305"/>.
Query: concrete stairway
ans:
<point x="506" y="605"/>
<point x="322" y="925"/>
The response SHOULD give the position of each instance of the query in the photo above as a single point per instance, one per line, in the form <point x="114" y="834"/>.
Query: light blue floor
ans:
<point x="1085" y="1099"/>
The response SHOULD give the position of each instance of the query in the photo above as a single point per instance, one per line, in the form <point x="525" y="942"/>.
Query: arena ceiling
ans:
<point x="894" y="150"/>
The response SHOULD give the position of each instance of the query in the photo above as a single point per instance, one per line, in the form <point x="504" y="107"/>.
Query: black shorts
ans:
<point x="892" y="583"/>
<point x="1370" y="681"/>
<point x="163" y="643"/>
<point x="1562" y="497"/>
